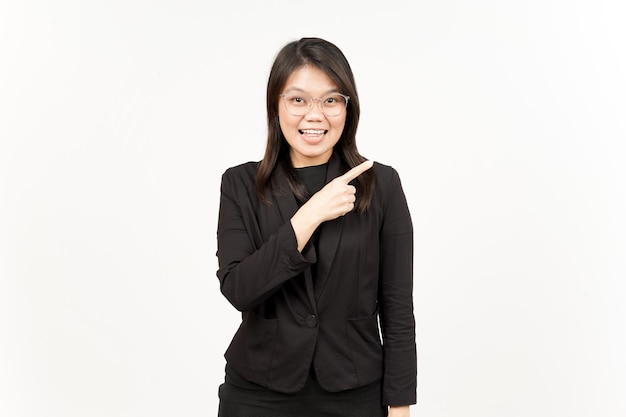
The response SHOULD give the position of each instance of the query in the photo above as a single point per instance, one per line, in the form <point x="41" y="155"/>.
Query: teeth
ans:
<point x="312" y="132"/>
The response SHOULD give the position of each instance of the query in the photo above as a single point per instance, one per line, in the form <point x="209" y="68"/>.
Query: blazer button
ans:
<point x="311" y="321"/>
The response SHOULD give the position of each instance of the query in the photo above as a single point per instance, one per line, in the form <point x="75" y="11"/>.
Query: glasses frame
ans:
<point x="319" y="104"/>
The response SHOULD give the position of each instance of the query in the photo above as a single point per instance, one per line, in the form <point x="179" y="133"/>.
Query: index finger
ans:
<point x="357" y="170"/>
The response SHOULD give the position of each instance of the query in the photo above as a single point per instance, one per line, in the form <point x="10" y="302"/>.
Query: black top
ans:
<point x="314" y="177"/>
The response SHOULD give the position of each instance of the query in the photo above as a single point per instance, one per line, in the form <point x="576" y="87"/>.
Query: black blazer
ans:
<point x="292" y="317"/>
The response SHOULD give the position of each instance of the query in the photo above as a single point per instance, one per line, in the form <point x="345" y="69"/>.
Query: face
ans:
<point x="311" y="137"/>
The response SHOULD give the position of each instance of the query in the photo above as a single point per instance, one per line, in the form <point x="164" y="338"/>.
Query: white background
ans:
<point x="505" y="120"/>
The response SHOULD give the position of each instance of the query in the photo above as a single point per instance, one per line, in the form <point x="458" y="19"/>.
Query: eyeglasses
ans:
<point x="299" y="104"/>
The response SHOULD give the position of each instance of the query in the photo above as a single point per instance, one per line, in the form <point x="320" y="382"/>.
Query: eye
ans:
<point x="296" y="100"/>
<point x="334" y="100"/>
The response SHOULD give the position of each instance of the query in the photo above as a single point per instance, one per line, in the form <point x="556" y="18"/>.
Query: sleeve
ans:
<point x="396" y="299"/>
<point x="248" y="272"/>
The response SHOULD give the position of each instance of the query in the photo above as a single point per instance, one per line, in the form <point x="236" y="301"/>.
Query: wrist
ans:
<point x="399" y="411"/>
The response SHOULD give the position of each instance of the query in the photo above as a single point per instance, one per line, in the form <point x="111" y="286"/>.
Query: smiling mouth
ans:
<point x="312" y="132"/>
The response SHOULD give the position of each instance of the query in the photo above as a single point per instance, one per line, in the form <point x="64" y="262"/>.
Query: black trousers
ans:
<point x="241" y="398"/>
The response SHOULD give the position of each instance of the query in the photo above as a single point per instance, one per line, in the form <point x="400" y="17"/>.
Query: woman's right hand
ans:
<point x="334" y="200"/>
<point x="337" y="198"/>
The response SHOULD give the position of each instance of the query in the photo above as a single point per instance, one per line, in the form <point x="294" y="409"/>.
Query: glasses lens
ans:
<point x="297" y="104"/>
<point x="333" y="105"/>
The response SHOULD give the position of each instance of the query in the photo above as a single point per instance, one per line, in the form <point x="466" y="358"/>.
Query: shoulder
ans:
<point x="244" y="169"/>
<point x="385" y="174"/>
<point x="387" y="186"/>
<point x="241" y="176"/>
<point x="389" y="198"/>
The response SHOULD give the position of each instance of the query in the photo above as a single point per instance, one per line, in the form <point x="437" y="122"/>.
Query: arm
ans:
<point x="396" y="299"/>
<point x="250" y="270"/>
<point x="249" y="274"/>
<point x="334" y="200"/>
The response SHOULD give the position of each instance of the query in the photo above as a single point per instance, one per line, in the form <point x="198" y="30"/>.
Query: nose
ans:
<point x="315" y="110"/>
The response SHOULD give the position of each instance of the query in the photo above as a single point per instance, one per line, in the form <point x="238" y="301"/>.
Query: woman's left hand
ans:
<point x="399" y="411"/>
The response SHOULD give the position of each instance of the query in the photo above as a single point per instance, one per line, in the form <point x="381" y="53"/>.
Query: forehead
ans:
<point x="310" y="79"/>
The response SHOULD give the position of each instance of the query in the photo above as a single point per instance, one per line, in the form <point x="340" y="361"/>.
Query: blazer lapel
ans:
<point x="285" y="199"/>
<point x="329" y="235"/>
<point x="287" y="205"/>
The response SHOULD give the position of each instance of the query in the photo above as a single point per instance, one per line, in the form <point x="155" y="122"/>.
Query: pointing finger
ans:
<point x="356" y="171"/>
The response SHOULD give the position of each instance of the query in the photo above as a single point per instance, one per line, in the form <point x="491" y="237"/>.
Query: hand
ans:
<point x="334" y="200"/>
<point x="337" y="197"/>
<point x="399" y="411"/>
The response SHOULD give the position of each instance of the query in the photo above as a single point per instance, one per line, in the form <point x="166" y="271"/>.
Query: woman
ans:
<point x="315" y="248"/>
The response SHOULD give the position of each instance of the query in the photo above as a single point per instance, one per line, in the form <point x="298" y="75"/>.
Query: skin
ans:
<point x="309" y="148"/>
<point x="399" y="411"/>
<point x="334" y="200"/>
<point x="311" y="137"/>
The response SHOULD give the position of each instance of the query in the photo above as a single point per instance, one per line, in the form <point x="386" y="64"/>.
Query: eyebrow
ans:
<point x="290" y="89"/>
